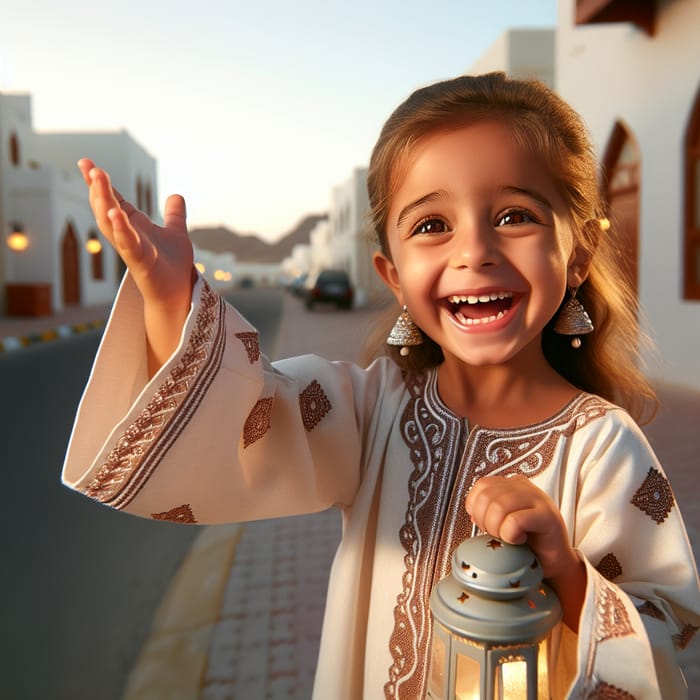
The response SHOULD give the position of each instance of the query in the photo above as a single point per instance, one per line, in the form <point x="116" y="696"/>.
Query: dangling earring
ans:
<point x="573" y="320"/>
<point x="405" y="332"/>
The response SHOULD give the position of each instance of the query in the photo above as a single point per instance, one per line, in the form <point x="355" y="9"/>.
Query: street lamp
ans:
<point x="17" y="239"/>
<point x="491" y="616"/>
<point x="93" y="245"/>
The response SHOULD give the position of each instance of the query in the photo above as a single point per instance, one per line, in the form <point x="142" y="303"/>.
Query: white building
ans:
<point x="43" y="195"/>
<point x="637" y="85"/>
<point x="639" y="93"/>
<point x="350" y="239"/>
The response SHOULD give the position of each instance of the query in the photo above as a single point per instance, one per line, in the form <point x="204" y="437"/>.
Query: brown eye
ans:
<point x="428" y="226"/>
<point x="515" y="217"/>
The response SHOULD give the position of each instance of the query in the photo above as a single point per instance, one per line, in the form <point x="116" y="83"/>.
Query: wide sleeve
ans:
<point x="218" y="434"/>
<point x="642" y="601"/>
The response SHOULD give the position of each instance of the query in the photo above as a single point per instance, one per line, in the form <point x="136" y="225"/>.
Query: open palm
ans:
<point x="160" y="258"/>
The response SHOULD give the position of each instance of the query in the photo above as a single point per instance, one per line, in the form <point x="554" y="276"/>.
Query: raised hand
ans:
<point x="159" y="258"/>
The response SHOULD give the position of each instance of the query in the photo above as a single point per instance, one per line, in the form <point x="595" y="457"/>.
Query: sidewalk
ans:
<point x="19" y="332"/>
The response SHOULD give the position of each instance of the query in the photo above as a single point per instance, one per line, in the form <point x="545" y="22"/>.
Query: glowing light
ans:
<point x="93" y="245"/>
<point x="604" y="224"/>
<point x="18" y="241"/>
<point x="200" y="268"/>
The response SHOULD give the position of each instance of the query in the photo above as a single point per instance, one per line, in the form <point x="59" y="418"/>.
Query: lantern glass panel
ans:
<point x="511" y="680"/>
<point x="436" y="675"/>
<point x="468" y="686"/>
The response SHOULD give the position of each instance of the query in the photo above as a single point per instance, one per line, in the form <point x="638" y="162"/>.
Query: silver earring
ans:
<point x="573" y="320"/>
<point x="405" y="332"/>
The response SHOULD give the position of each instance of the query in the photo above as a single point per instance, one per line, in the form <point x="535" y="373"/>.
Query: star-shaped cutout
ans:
<point x="463" y="598"/>
<point x="494" y="544"/>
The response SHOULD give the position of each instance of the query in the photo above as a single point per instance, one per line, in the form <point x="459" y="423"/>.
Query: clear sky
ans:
<point x="254" y="109"/>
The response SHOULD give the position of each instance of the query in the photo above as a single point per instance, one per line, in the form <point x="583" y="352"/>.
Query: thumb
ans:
<point x="175" y="212"/>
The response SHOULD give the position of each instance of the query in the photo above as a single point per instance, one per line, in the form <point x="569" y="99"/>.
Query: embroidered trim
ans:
<point x="650" y="610"/>
<point x="609" y="567"/>
<point x="684" y="637"/>
<point x="436" y="521"/>
<point x="251" y="343"/>
<point x="144" y="443"/>
<point x="605" y="691"/>
<point x="181" y="514"/>
<point x="258" y="422"/>
<point x="314" y="405"/>
<point x="655" y="496"/>
<point x="612" y="618"/>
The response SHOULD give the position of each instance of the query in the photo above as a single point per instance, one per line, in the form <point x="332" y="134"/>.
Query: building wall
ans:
<point x="617" y="72"/>
<point x="45" y="192"/>
<point x="522" y="53"/>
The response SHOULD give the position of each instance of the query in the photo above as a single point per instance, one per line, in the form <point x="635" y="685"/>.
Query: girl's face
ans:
<point x="481" y="251"/>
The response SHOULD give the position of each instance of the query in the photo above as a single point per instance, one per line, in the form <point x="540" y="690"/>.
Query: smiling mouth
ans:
<point x="473" y="309"/>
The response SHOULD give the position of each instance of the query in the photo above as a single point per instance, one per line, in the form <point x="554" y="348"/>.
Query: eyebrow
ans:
<point x="530" y="193"/>
<point x="432" y="197"/>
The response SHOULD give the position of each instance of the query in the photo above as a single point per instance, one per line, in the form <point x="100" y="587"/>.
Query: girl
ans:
<point x="488" y="215"/>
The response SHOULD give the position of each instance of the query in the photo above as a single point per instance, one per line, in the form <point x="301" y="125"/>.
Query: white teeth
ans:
<point x="474" y="299"/>
<point x="478" y="321"/>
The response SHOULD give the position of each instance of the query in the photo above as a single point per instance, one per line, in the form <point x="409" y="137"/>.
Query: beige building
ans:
<point x="46" y="223"/>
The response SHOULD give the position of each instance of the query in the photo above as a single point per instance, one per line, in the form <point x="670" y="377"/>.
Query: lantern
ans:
<point x="93" y="245"/>
<point x="491" y="618"/>
<point x="17" y="239"/>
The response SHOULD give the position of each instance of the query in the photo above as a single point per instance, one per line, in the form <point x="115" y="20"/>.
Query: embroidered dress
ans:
<point x="220" y="434"/>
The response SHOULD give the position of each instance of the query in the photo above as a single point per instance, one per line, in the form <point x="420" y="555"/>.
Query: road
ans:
<point x="80" y="582"/>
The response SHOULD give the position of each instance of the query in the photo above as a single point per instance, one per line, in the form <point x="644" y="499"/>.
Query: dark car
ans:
<point x="330" y="286"/>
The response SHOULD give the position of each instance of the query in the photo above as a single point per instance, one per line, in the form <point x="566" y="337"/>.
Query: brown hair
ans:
<point x="608" y="363"/>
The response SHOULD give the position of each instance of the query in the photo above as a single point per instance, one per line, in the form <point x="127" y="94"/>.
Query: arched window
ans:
<point x="96" y="255"/>
<point x="691" y="252"/>
<point x="148" y="196"/>
<point x="14" y="149"/>
<point x="70" y="258"/>
<point x="139" y="193"/>
<point x="621" y="165"/>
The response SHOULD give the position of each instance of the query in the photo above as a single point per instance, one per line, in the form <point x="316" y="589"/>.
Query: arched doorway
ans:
<point x="621" y="165"/>
<point x="70" y="259"/>
<point x="691" y="252"/>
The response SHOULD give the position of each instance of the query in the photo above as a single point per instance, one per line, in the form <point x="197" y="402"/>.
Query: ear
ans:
<point x="388" y="274"/>
<point x="577" y="270"/>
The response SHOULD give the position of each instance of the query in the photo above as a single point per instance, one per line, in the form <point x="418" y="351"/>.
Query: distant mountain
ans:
<point x="249" y="248"/>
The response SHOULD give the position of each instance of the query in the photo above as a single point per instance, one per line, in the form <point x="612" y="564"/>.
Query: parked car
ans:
<point x="296" y="286"/>
<point x="332" y="286"/>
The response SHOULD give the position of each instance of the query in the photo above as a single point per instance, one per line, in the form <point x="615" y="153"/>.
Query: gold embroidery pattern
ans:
<point x="251" y="344"/>
<point x="436" y="521"/>
<point x="314" y="405"/>
<point x="181" y="514"/>
<point x="432" y="441"/>
<point x="684" y="637"/>
<point x="612" y="619"/>
<point x="605" y="691"/>
<point x="650" y="610"/>
<point x="609" y="567"/>
<point x="145" y="442"/>
<point x="654" y="497"/>
<point x="258" y="422"/>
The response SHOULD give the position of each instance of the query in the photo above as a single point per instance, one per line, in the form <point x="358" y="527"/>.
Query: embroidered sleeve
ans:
<point x="219" y="434"/>
<point x="642" y="585"/>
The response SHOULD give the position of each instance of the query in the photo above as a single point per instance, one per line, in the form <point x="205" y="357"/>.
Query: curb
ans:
<point x="14" y="343"/>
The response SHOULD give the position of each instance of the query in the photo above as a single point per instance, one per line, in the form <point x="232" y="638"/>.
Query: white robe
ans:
<point x="220" y="435"/>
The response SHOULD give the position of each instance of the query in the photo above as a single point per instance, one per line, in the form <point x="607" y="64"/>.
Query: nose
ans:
<point x="474" y="246"/>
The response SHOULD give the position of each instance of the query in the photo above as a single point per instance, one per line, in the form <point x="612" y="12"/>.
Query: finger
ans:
<point x="175" y="212"/>
<point x="126" y="239"/>
<point x="86" y="165"/>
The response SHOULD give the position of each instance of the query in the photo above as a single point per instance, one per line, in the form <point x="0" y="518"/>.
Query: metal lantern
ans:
<point x="491" y="616"/>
